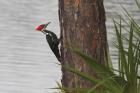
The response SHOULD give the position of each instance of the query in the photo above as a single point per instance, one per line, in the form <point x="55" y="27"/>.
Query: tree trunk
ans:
<point x="82" y="25"/>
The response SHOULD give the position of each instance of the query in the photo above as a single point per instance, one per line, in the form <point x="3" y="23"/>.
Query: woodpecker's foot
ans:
<point x="60" y="39"/>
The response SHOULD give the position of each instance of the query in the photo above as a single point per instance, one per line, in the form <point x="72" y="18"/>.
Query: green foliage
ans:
<point x="129" y="57"/>
<point x="127" y="79"/>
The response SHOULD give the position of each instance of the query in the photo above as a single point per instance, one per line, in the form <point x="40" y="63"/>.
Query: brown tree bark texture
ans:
<point x="82" y="24"/>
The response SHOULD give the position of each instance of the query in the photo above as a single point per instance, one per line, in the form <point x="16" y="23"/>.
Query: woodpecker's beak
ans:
<point x="46" y="25"/>
<point x="44" y="29"/>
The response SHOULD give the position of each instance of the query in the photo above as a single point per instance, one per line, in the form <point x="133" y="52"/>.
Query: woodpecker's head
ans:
<point x="42" y="27"/>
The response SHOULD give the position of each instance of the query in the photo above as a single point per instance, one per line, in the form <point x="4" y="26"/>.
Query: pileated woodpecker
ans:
<point x="51" y="38"/>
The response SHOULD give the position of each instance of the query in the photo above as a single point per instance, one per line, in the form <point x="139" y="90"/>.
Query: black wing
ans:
<point x="53" y="43"/>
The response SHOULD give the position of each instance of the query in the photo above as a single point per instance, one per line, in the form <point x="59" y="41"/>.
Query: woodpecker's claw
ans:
<point x="60" y="39"/>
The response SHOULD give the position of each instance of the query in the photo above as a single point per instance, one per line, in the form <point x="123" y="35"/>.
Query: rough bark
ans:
<point x="82" y="24"/>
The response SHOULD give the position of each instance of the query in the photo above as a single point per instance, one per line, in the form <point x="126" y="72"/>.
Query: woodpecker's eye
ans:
<point x="40" y="27"/>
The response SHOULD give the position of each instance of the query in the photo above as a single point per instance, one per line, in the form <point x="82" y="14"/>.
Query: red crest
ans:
<point x="40" y="27"/>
